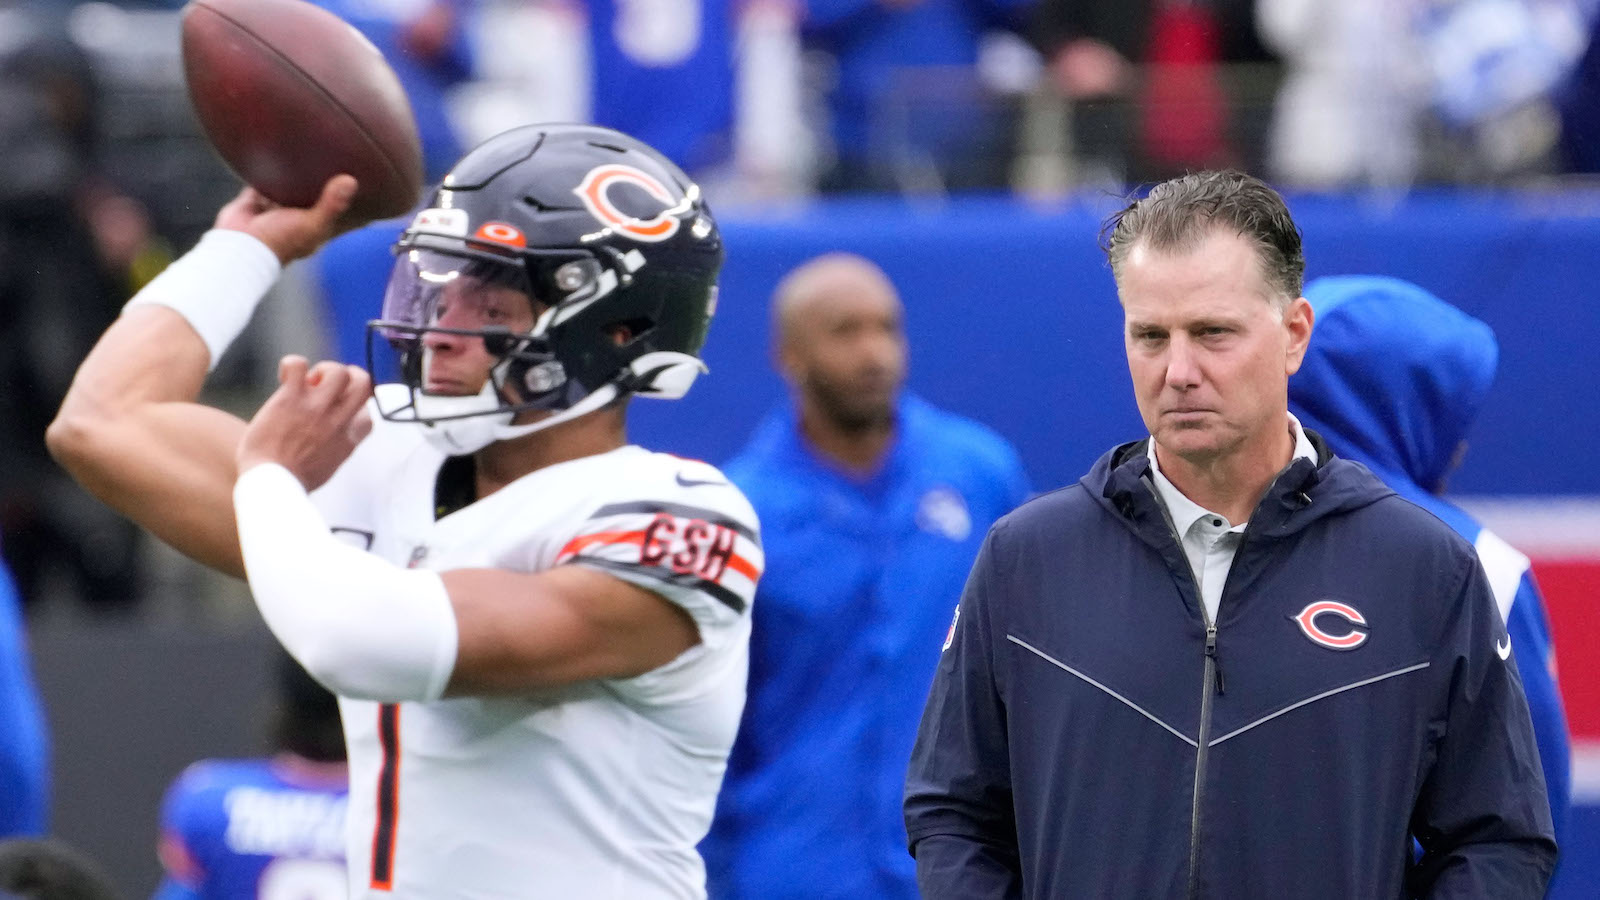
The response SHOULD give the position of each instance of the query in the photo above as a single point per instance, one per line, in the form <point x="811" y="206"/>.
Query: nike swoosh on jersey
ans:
<point x="695" y="482"/>
<point x="1503" y="650"/>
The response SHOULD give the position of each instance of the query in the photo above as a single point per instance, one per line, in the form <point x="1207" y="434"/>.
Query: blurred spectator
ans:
<point x="872" y="505"/>
<point x="69" y="244"/>
<point x="1578" y="103"/>
<point x="427" y="43"/>
<point x="1494" y="67"/>
<point x="1147" y="83"/>
<point x="713" y="84"/>
<point x="1349" y="110"/>
<point x="265" y="828"/>
<point x="1393" y="380"/>
<point x="1373" y="85"/>
<point x="50" y="870"/>
<point x="907" y="106"/>
<point x="24" y="750"/>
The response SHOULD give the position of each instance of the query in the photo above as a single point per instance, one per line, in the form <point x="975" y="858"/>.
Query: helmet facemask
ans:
<point x="467" y="341"/>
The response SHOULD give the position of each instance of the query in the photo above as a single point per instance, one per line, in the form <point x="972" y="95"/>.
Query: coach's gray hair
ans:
<point x="1177" y="214"/>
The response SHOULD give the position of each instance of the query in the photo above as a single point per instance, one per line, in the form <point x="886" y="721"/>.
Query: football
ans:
<point x="291" y="95"/>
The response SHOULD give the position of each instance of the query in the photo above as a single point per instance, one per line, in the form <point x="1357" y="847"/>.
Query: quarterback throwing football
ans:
<point x="537" y="630"/>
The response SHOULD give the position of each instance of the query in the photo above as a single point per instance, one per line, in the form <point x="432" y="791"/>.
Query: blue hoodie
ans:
<point x="1393" y="379"/>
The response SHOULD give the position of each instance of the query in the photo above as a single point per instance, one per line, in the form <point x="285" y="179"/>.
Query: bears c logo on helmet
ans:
<point x="595" y="192"/>
<point x="1353" y="636"/>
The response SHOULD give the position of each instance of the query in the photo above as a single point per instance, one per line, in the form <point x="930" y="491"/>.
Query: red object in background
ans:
<point x="1571" y="588"/>
<point x="1183" y="120"/>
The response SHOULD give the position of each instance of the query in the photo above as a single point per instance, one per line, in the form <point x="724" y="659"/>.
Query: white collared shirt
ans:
<point x="1209" y="539"/>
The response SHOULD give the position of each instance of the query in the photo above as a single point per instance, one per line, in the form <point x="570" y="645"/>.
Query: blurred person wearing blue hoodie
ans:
<point x="1393" y="381"/>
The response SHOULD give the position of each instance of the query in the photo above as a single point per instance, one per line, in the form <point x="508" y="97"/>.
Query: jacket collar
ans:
<point x="1307" y="490"/>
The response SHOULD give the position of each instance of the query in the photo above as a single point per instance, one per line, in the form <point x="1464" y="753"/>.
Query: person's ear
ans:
<point x="1298" y="321"/>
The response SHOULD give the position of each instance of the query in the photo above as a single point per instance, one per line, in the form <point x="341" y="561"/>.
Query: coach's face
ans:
<point x="1209" y="352"/>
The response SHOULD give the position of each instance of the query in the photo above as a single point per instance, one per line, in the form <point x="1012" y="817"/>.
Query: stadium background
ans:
<point x="1013" y="321"/>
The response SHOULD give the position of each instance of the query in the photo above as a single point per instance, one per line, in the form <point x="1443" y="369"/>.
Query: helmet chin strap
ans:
<point x="665" y="375"/>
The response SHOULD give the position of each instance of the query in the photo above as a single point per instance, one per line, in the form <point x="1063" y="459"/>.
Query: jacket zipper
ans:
<point x="1212" y="678"/>
<point x="1211" y="683"/>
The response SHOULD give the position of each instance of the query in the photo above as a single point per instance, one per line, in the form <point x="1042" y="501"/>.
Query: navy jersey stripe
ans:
<point x="681" y="510"/>
<point x="694" y="582"/>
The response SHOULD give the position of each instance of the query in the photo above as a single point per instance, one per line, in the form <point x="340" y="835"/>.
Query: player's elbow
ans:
<point x="77" y="440"/>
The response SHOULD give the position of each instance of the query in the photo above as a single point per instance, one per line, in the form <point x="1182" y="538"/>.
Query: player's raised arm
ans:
<point x="130" y="430"/>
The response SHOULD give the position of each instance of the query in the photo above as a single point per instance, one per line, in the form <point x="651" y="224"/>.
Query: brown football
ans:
<point x="291" y="95"/>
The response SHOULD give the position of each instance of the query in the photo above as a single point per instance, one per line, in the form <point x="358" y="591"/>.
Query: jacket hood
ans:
<point x="1303" y="493"/>
<point x="1394" y="376"/>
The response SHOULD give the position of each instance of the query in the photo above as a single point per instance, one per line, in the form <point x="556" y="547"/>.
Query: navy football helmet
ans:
<point x="611" y="241"/>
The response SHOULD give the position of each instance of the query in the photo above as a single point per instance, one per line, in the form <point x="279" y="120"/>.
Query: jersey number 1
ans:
<point x="388" y="797"/>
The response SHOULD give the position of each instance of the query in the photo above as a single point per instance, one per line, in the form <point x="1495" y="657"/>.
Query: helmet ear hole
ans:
<point x="627" y="331"/>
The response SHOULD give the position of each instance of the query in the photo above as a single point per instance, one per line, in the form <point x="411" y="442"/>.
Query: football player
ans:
<point x="269" y="828"/>
<point x="538" y="631"/>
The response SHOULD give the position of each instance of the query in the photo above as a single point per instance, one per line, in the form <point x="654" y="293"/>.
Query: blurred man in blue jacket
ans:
<point x="24" y="752"/>
<point x="872" y="507"/>
<point x="1394" y="380"/>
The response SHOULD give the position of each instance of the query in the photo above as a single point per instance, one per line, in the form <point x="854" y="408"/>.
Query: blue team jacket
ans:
<point x="861" y="581"/>
<point x="1393" y="380"/>
<point x="1088" y="736"/>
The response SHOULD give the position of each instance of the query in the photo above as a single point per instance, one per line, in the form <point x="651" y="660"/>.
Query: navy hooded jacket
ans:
<point x="1088" y="736"/>
<point x="1393" y="380"/>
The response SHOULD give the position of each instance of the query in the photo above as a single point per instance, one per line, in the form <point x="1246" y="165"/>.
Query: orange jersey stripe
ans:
<point x="743" y="567"/>
<point x="604" y="537"/>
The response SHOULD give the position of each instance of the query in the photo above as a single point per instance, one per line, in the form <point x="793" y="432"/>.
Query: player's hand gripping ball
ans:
<point x="291" y="95"/>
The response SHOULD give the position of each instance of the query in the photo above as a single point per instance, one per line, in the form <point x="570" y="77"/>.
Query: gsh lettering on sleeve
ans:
<point x="687" y="546"/>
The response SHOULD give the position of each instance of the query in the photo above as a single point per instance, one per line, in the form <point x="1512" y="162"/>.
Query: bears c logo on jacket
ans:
<point x="595" y="192"/>
<point x="1353" y="635"/>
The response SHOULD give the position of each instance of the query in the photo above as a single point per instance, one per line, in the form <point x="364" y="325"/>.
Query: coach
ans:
<point x="1225" y="663"/>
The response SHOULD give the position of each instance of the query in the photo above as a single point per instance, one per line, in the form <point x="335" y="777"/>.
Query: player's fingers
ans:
<point x="360" y="385"/>
<point x="240" y="210"/>
<point x="292" y="371"/>
<point x="328" y="379"/>
<point x="261" y="202"/>
<point x="359" y="427"/>
<point x="336" y="196"/>
<point x="355" y="387"/>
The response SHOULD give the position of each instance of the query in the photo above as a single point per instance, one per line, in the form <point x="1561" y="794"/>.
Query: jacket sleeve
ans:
<point x="1482" y="819"/>
<point x="958" y="809"/>
<point x="1536" y="663"/>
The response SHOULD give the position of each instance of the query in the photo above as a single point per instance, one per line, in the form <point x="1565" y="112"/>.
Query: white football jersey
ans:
<point x="598" y="790"/>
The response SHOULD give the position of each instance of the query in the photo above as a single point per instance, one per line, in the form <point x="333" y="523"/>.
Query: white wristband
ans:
<point x="215" y="286"/>
<point x="359" y="624"/>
